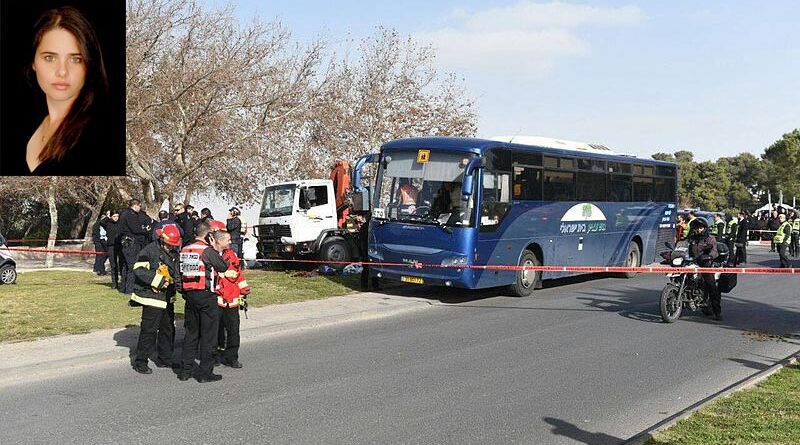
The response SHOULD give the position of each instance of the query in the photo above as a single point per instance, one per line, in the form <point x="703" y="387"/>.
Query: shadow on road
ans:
<point x="750" y="364"/>
<point x="566" y="429"/>
<point x="127" y="338"/>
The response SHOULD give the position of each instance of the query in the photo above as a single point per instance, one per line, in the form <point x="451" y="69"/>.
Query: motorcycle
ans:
<point x="686" y="290"/>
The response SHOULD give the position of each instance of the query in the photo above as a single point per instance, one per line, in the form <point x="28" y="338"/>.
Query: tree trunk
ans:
<point x="95" y="215"/>
<point x="78" y="223"/>
<point x="51" y="239"/>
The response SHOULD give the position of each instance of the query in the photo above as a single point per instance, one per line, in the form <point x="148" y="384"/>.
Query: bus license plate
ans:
<point x="415" y="280"/>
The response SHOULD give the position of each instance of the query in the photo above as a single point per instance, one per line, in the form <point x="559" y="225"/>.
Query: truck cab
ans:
<point x="293" y="216"/>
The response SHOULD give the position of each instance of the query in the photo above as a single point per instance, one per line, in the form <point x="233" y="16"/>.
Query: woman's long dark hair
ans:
<point x="95" y="87"/>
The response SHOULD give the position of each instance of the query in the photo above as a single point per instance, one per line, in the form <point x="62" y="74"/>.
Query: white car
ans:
<point x="8" y="266"/>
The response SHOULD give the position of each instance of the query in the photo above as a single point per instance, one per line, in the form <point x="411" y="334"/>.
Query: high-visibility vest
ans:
<point x="717" y="230"/>
<point x="732" y="226"/>
<point x="194" y="275"/>
<point x="783" y="234"/>
<point x="796" y="225"/>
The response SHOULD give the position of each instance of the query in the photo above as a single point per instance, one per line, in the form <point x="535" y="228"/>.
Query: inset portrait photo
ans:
<point x="62" y="88"/>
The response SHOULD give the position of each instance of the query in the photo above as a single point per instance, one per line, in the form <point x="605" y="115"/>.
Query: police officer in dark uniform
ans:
<point x="100" y="239"/>
<point x="134" y="234"/>
<point x="112" y="246"/>
<point x="234" y="227"/>
<point x="155" y="273"/>
<point x="199" y="263"/>
<point x="703" y="247"/>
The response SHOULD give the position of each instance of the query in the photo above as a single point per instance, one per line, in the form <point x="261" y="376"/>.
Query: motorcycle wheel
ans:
<point x="670" y="304"/>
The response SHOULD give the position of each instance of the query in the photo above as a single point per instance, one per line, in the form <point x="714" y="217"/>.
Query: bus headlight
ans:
<point x="455" y="261"/>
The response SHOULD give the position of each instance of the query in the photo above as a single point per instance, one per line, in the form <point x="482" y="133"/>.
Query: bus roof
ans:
<point x="535" y="143"/>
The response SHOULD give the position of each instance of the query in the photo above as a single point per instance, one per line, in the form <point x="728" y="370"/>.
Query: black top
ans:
<point x="99" y="152"/>
<point x="234" y="226"/>
<point x="135" y="225"/>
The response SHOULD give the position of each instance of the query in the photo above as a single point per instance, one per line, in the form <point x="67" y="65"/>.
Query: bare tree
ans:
<point x="203" y="93"/>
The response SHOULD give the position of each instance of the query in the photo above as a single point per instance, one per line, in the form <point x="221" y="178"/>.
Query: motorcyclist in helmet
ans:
<point x="703" y="249"/>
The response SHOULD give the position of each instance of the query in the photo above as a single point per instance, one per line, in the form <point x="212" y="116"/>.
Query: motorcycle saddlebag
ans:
<point x="726" y="282"/>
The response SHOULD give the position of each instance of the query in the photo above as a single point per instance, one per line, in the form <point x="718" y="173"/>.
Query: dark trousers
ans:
<point x="236" y="245"/>
<point x="130" y="254"/>
<point x="782" y="255"/>
<point x="228" y="335"/>
<point x="201" y="325"/>
<point x="793" y="247"/>
<point x="713" y="292"/>
<point x="100" y="260"/>
<point x="114" y="260"/>
<point x="740" y="253"/>
<point x="157" y="330"/>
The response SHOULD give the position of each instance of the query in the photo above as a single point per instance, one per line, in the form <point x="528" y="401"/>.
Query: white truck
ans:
<point x="315" y="219"/>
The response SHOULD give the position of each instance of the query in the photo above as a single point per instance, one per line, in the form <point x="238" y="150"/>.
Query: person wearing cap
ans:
<point x="703" y="248"/>
<point x="155" y="272"/>
<point x="234" y="228"/>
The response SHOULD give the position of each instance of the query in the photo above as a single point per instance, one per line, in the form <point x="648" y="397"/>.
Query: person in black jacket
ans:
<point x="740" y="239"/>
<point x="112" y="227"/>
<point x="100" y="239"/>
<point x="703" y="248"/>
<point x="134" y="234"/>
<point x="184" y="220"/>
<point x="234" y="227"/>
<point x="155" y="272"/>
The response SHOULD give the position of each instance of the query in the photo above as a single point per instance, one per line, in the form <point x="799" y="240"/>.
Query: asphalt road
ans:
<point x="582" y="361"/>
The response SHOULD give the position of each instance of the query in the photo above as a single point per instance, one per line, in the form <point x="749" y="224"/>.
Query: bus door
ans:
<point x="493" y="247"/>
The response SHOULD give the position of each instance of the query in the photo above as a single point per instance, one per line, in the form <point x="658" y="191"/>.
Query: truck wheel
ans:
<point x="335" y="249"/>
<point x="8" y="274"/>
<point x="526" y="281"/>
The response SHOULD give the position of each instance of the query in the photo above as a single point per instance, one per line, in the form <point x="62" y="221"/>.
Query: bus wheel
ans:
<point x="526" y="280"/>
<point x="634" y="259"/>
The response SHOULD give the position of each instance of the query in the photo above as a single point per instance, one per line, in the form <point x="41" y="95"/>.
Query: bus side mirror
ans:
<point x="474" y="164"/>
<point x="372" y="157"/>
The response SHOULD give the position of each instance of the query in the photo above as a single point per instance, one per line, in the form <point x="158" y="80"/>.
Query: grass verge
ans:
<point x="49" y="303"/>
<point x="766" y="414"/>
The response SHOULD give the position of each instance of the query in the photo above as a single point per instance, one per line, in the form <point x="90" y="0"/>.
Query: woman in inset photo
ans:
<point x="66" y="65"/>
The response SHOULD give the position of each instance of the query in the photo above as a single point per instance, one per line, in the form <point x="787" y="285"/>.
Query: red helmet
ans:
<point x="171" y="235"/>
<point x="217" y="225"/>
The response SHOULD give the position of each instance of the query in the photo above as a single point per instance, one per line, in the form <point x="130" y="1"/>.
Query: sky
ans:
<point x="713" y="77"/>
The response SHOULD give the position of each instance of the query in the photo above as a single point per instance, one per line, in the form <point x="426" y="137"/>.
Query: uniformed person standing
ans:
<point x="234" y="228"/>
<point x="231" y="291"/>
<point x="794" y="248"/>
<point x="199" y="265"/>
<point x="112" y="233"/>
<point x="782" y="238"/>
<point x="155" y="272"/>
<point x="134" y="234"/>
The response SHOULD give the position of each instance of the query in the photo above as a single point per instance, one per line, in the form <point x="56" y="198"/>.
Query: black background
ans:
<point x="23" y="105"/>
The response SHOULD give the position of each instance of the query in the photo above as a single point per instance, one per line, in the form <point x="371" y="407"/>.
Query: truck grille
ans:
<point x="273" y="231"/>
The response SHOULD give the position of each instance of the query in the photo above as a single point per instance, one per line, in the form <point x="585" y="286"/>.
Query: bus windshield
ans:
<point x="423" y="193"/>
<point x="278" y="200"/>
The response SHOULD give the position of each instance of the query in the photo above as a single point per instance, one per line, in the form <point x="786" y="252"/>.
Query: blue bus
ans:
<point x="514" y="201"/>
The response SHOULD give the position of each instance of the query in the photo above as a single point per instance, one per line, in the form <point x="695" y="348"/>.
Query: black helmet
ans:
<point x="697" y="222"/>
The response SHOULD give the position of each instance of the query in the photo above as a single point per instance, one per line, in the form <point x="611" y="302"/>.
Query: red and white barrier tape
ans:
<point x="69" y="252"/>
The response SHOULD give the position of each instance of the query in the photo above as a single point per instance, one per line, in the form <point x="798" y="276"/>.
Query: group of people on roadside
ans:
<point x="732" y="232"/>
<point x="196" y="258"/>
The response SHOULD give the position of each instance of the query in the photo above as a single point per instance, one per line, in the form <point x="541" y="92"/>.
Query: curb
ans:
<point x="748" y="382"/>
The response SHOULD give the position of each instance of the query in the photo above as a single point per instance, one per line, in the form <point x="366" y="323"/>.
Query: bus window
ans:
<point x="619" y="167"/>
<point x="559" y="186"/>
<point x="496" y="199"/>
<point x="592" y="165"/>
<point x="664" y="190"/>
<point x="642" y="189"/>
<point x="528" y="158"/>
<point x="591" y="186"/>
<point x="527" y="183"/>
<point x="665" y="171"/>
<point x="620" y="188"/>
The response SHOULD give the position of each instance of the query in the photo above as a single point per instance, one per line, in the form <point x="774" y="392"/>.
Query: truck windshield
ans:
<point x="278" y="200"/>
<point x="423" y="193"/>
